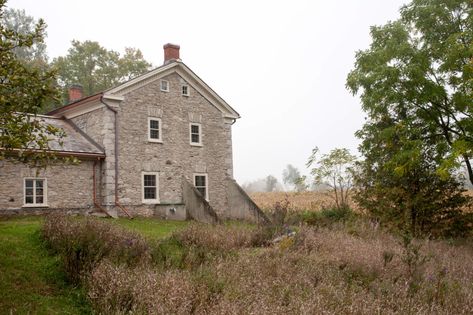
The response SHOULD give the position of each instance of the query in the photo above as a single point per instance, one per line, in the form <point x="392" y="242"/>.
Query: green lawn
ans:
<point x="151" y="228"/>
<point x="31" y="281"/>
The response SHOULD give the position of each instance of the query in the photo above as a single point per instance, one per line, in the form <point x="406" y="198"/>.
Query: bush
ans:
<point x="327" y="216"/>
<point x="83" y="243"/>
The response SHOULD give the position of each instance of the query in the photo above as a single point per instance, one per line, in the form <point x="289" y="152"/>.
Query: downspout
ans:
<point x="96" y="204"/>
<point x="115" y="114"/>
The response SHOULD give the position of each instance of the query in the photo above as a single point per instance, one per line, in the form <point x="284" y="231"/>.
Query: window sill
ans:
<point x="35" y="206"/>
<point x="196" y="144"/>
<point x="155" y="141"/>
<point x="150" y="202"/>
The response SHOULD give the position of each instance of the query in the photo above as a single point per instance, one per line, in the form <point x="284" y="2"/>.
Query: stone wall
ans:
<point x="99" y="124"/>
<point x="69" y="187"/>
<point x="174" y="157"/>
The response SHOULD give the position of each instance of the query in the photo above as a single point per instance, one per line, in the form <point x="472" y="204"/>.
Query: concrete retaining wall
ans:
<point x="241" y="207"/>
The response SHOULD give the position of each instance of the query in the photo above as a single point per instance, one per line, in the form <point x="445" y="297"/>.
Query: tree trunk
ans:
<point x="468" y="167"/>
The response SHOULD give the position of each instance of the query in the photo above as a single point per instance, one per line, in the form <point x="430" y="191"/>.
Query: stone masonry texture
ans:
<point x="68" y="186"/>
<point x="175" y="157"/>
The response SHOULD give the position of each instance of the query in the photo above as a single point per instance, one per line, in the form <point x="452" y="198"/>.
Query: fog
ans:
<point x="281" y="64"/>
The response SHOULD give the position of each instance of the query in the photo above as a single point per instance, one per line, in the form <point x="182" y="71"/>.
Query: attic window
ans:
<point x="185" y="90"/>
<point x="164" y="86"/>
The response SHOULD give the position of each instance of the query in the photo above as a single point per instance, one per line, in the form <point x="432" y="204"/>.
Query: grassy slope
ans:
<point x="31" y="280"/>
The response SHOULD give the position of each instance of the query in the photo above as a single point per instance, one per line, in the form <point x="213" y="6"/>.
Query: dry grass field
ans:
<point x="298" y="201"/>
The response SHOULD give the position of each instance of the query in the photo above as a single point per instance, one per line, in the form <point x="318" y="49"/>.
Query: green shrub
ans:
<point x="327" y="216"/>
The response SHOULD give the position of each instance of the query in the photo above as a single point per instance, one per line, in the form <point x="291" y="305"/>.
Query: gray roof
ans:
<point x="75" y="141"/>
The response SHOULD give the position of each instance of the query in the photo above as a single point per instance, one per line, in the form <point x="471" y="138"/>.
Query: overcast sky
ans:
<point x="281" y="64"/>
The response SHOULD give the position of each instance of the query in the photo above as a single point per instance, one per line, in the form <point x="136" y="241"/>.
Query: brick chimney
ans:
<point x="75" y="92"/>
<point x="171" y="53"/>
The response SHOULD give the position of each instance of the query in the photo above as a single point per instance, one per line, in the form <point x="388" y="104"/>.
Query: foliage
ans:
<point x="327" y="216"/>
<point x="334" y="170"/>
<point x="418" y="74"/>
<point x="96" y="69"/>
<point x="414" y="82"/>
<point x="24" y="91"/>
<point x="21" y="23"/>
<point x="292" y="176"/>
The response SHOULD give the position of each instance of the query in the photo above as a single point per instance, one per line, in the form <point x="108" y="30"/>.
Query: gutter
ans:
<point x="115" y="114"/>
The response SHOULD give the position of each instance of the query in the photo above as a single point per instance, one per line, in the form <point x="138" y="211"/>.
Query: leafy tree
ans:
<point x="23" y="89"/>
<point x="398" y="183"/>
<point x="96" y="68"/>
<point x="21" y="23"/>
<point x="415" y="83"/>
<point x="292" y="176"/>
<point x="334" y="170"/>
<point x="418" y="72"/>
<point x="271" y="183"/>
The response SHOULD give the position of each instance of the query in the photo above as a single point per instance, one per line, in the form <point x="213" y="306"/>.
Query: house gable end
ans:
<point x="187" y="75"/>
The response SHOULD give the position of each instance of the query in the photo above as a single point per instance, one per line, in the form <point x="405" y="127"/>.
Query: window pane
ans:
<point x="39" y="183"/>
<point x="200" y="181"/>
<point x="149" y="180"/>
<point x="164" y="85"/>
<point x="154" y="124"/>
<point x="184" y="89"/>
<point x="29" y="199"/>
<point x="29" y="191"/>
<point x="194" y="129"/>
<point x="29" y="183"/>
<point x="154" y="134"/>
<point x="39" y="199"/>
<point x="150" y="193"/>
<point x="39" y="192"/>
<point x="195" y="138"/>
<point x="202" y="191"/>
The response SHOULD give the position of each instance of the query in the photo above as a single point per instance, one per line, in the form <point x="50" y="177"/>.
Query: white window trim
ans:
<point x="161" y="85"/>
<point x="196" y="144"/>
<point x="45" y="193"/>
<point x="160" y="140"/>
<point x="206" y="183"/>
<point x="188" y="90"/>
<point x="149" y="201"/>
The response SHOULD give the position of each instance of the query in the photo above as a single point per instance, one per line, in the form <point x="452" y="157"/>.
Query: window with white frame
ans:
<point x="154" y="129"/>
<point x="150" y="183"/>
<point x="164" y="86"/>
<point x="201" y="184"/>
<point x="195" y="134"/>
<point x="35" y="192"/>
<point x="185" y="90"/>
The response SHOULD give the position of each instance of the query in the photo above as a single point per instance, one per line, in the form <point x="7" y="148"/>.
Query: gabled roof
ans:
<point x="75" y="143"/>
<point x="175" y="66"/>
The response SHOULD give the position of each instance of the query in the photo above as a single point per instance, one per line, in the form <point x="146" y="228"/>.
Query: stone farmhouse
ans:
<point x="157" y="145"/>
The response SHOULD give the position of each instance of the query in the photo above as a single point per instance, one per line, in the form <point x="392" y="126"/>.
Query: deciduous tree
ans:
<point x="334" y="170"/>
<point x="418" y="72"/>
<point x="415" y="85"/>
<point x="96" y="68"/>
<point x="24" y="90"/>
